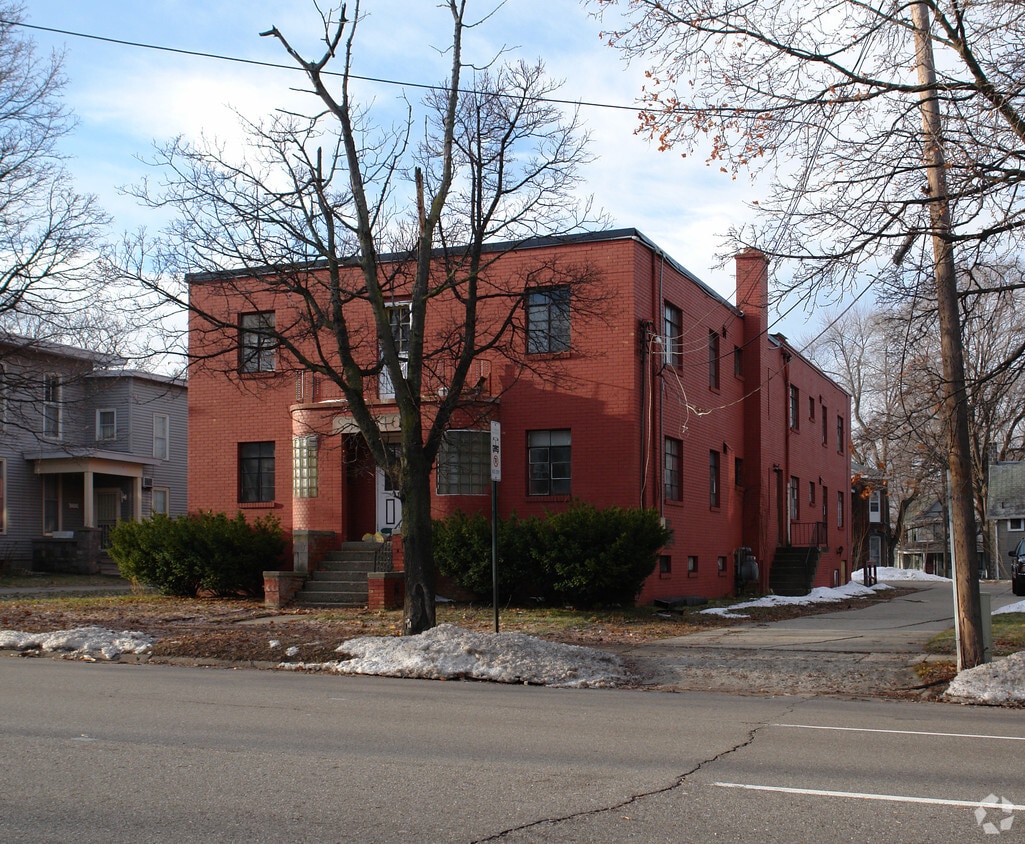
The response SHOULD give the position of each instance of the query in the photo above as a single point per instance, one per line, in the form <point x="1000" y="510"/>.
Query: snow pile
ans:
<point x="450" y="652"/>
<point x="887" y="573"/>
<point x="999" y="682"/>
<point x="1018" y="607"/>
<point x="83" y="642"/>
<point x="821" y="595"/>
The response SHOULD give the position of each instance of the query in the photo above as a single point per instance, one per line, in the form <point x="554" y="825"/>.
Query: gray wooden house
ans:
<point x="1005" y="509"/>
<point x="84" y="444"/>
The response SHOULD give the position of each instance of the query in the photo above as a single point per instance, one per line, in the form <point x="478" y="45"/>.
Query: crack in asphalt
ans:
<point x="655" y="792"/>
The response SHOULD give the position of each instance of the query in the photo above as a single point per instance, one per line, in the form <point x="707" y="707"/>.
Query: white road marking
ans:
<point x="890" y="798"/>
<point x="900" y="732"/>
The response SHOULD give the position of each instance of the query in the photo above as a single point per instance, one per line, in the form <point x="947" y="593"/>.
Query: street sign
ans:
<point x="496" y="451"/>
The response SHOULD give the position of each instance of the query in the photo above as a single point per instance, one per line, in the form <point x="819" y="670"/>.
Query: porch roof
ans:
<point x="93" y="460"/>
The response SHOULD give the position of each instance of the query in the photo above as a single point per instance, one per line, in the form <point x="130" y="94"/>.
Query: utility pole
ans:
<point x="955" y="398"/>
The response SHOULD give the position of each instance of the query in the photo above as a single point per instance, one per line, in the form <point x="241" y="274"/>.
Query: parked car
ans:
<point x="1018" y="569"/>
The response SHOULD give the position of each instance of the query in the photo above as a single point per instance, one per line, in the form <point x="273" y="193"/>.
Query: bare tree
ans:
<point x="887" y="360"/>
<point x="342" y="216"/>
<point x="49" y="233"/>
<point x="893" y="128"/>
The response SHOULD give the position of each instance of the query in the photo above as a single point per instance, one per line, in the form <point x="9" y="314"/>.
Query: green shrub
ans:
<point x="200" y="551"/>
<point x="462" y="549"/>
<point x="584" y="556"/>
<point x="598" y="557"/>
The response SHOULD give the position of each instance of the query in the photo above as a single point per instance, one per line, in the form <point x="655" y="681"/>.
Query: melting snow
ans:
<point x="821" y="595"/>
<point x="85" y="642"/>
<point x="450" y="652"/>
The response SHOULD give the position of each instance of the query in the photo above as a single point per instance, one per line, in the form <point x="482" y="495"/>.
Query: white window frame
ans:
<point x="101" y="435"/>
<point x="165" y="452"/>
<point x="166" y="493"/>
<point x="1016" y="525"/>
<point x="875" y="506"/>
<point x="385" y="387"/>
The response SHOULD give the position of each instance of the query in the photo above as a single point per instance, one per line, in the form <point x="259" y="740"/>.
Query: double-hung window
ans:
<point x="106" y="425"/>
<point x="548" y="457"/>
<point x="548" y="320"/>
<point x="713" y="360"/>
<point x="256" y="472"/>
<point x="672" y="335"/>
<point x="161" y="436"/>
<point x="52" y="406"/>
<point x="400" y="318"/>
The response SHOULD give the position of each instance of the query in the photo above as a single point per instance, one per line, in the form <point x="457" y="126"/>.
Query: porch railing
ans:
<point x="808" y="535"/>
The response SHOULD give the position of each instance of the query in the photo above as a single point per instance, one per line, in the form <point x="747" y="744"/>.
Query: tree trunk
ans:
<point x="418" y="549"/>
<point x="955" y="398"/>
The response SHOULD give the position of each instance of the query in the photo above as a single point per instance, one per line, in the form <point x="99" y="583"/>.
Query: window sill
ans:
<point x="556" y="499"/>
<point x="257" y="505"/>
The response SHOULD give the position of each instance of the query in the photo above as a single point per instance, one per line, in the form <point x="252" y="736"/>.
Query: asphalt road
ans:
<point x="142" y="753"/>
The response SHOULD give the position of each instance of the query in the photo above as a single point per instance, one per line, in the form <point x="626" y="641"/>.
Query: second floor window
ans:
<point x="106" y="425"/>
<point x="548" y="320"/>
<point x="52" y="406"/>
<point x="672" y="334"/>
<point x="795" y="407"/>
<point x="256" y="342"/>
<point x="713" y="359"/>
<point x="161" y="436"/>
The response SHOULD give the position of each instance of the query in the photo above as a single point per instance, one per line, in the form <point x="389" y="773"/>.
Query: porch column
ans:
<point x="88" y="516"/>
<point x="137" y="499"/>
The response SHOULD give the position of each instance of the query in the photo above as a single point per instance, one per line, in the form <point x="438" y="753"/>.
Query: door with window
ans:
<point x="389" y="507"/>
<point x="108" y="513"/>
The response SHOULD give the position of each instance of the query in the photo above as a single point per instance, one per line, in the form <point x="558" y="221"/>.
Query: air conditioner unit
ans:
<point x="147" y="483"/>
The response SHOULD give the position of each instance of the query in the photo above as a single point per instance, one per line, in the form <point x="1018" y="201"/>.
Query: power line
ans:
<point x="121" y="42"/>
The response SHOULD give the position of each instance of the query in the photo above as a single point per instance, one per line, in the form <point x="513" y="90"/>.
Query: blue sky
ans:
<point x="127" y="98"/>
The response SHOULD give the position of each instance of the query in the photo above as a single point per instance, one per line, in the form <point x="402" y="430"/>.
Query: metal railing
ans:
<point x="808" y="535"/>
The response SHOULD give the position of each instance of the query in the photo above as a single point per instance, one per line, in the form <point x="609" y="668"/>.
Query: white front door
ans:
<point x="389" y="507"/>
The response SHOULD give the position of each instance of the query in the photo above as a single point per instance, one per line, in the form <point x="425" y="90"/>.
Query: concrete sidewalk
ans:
<point x="857" y="651"/>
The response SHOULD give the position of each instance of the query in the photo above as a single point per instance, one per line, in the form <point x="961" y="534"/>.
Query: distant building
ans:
<point x="870" y="520"/>
<point x="676" y="400"/>
<point x="84" y="444"/>
<point x="1005" y="509"/>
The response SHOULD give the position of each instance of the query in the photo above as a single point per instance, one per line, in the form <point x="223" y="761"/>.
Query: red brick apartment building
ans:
<point x="673" y="399"/>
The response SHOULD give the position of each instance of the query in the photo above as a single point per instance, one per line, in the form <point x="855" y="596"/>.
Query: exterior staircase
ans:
<point x="793" y="570"/>
<point x="341" y="577"/>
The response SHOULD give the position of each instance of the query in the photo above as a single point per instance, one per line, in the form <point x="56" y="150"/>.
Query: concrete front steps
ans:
<point x="341" y="577"/>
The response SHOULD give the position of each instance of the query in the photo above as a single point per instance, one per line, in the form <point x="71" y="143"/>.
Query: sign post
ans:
<point x="496" y="476"/>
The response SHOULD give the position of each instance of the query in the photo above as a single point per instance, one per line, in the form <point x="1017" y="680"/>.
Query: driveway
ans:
<point x="854" y="651"/>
